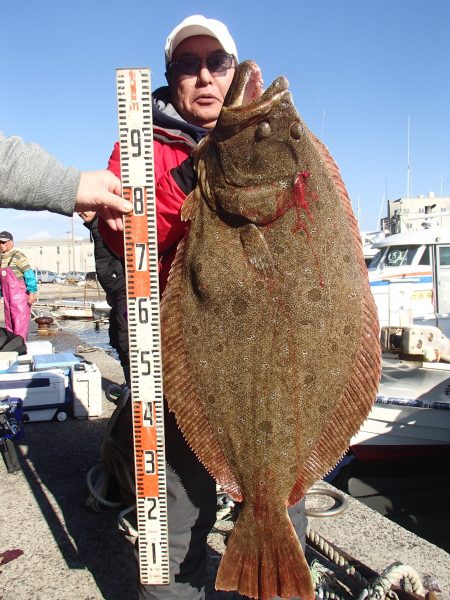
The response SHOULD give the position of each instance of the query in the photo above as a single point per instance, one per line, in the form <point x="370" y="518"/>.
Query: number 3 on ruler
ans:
<point x="149" y="462"/>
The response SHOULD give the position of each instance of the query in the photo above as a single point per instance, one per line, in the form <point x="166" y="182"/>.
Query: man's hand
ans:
<point x="100" y="191"/>
<point x="31" y="298"/>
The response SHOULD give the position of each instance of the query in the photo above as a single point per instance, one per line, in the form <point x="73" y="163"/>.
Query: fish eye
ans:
<point x="296" y="130"/>
<point x="262" y="131"/>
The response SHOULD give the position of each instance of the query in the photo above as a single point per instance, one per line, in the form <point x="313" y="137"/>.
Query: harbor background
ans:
<point x="69" y="552"/>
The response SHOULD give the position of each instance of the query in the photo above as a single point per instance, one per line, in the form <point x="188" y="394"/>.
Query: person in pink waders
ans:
<point x="18" y="286"/>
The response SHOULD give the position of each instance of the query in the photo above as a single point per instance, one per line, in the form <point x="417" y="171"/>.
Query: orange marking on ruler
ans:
<point x="134" y="104"/>
<point x="139" y="229"/>
<point x="147" y="483"/>
<point x="133" y="84"/>
<point x="127" y="195"/>
<point x="140" y="282"/>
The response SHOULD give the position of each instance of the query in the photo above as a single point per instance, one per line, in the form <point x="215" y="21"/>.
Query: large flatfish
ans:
<point x="270" y="334"/>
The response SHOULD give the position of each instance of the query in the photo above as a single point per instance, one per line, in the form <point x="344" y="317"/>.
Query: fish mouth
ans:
<point x="246" y="89"/>
<point x="246" y="102"/>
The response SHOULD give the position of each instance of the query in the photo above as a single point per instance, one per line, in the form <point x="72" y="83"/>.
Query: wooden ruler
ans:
<point x="141" y="254"/>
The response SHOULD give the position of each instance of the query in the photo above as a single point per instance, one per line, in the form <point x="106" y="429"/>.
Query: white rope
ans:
<point x="126" y="525"/>
<point x="396" y="575"/>
<point x="98" y="489"/>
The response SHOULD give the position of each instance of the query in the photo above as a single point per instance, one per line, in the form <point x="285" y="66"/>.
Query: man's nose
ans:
<point x="204" y="74"/>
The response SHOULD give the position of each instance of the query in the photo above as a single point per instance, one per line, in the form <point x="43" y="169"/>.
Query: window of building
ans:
<point x="57" y="250"/>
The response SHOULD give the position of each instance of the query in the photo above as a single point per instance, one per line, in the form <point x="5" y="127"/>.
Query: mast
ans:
<point x="408" y="173"/>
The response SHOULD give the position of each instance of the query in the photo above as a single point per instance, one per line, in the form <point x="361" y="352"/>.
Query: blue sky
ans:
<point x="357" y="70"/>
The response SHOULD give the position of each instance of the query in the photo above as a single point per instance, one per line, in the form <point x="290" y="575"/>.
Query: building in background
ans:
<point x="413" y="214"/>
<point x="60" y="255"/>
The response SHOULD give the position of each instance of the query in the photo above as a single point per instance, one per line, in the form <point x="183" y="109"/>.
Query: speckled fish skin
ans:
<point x="270" y="334"/>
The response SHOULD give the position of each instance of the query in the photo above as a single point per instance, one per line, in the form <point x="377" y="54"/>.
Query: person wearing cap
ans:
<point x="18" y="286"/>
<point x="200" y="60"/>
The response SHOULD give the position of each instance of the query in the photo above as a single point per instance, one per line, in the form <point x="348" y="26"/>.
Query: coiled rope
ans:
<point x="396" y="574"/>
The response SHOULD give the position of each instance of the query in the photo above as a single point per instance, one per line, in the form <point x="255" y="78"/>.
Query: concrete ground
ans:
<point x="53" y="548"/>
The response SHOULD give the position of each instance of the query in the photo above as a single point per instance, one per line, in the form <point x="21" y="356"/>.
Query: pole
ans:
<point x="73" y="248"/>
<point x="408" y="174"/>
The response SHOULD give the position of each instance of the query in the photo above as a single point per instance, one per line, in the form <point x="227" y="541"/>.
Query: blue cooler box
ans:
<point x="59" y="360"/>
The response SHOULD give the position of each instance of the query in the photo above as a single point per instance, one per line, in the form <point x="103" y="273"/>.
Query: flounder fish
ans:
<point x="270" y="334"/>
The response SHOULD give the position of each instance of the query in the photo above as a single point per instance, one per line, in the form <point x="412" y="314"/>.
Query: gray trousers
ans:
<point x="192" y="505"/>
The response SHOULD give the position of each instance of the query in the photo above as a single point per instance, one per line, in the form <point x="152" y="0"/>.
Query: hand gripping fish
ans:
<point x="270" y="333"/>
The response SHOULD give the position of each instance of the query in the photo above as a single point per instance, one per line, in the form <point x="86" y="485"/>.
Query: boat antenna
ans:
<point x="380" y="211"/>
<point x="408" y="174"/>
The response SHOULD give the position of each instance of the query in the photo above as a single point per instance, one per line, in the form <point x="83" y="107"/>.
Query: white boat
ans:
<point x="71" y="309"/>
<point x="411" y="414"/>
<point x="100" y="309"/>
<point x="410" y="278"/>
<point x="410" y="281"/>
<point x="73" y="312"/>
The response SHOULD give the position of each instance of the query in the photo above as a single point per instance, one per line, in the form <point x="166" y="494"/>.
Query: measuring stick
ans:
<point x="144" y="333"/>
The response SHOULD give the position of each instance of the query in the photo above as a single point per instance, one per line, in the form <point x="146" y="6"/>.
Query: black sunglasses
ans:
<point x="217" y="64"/>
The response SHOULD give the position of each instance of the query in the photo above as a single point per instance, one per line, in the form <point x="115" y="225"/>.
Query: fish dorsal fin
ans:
<point x="190" y="207"/>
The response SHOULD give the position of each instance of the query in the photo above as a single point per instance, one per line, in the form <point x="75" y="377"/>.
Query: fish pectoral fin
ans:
<point x="256" y="250"/>
<point x="190" y="207"/>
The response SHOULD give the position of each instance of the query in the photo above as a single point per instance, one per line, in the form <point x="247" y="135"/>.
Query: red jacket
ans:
<point x="170" y="150"/>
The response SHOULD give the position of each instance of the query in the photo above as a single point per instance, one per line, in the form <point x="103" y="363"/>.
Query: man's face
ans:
<point x="6" y="245"/>
<point x="199" y="98"/>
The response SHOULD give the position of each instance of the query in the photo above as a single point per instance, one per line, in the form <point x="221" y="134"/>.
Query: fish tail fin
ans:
<point x="264" y="559"/>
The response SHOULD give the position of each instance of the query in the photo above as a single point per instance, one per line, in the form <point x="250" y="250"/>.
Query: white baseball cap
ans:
<point x="199" y="25"/>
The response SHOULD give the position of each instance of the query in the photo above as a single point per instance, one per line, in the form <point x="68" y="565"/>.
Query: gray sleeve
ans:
<point x="31" y="179"/>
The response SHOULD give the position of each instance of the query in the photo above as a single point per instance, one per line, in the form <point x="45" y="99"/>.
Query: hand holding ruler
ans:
<point x="144" y="333"/>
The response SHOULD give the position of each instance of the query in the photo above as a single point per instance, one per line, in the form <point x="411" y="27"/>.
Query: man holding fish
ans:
<point x="200" y="57"/>
<point x="270" y="339"/>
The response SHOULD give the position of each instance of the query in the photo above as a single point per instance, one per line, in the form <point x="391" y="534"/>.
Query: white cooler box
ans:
<point x="43" y="393"/>
<point x="39" y="347"/>
<point x="86" y="385"/>
<point x="6" y="360"/>
<point x="24" y="362"/>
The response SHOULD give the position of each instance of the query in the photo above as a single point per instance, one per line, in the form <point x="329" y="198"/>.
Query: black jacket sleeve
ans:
<point x="185" y="176"/>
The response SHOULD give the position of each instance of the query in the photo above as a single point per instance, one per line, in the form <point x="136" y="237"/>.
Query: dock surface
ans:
<point x="66" y="552"/>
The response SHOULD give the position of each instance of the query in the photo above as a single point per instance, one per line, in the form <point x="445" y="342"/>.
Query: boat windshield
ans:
<point x="376" y="258"/>
<point x="400" y="256"/>
<point x="394" y="256"/>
